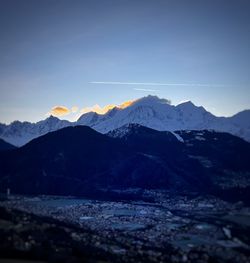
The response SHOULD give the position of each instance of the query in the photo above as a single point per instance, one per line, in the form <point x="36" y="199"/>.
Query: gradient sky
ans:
<point x="51" y="51"/>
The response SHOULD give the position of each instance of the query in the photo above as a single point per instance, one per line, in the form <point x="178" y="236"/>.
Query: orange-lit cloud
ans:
<point x="102" y="110"/>
<point x="96" y="108"/>
<point x="74" y="109"/>
<point x="59" y="111"/>
<point x="126" y="104"/>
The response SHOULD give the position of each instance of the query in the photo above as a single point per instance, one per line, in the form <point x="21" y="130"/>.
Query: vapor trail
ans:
<point x="145" y="89"/>
<point x="155" y="84"/>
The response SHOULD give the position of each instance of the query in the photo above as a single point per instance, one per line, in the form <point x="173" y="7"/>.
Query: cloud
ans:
<point x="96" y="108"/>
<point x="59" y="111"/>
<point x="102" y="110"/>
<point x="157" y="84"/>
<point x="125" y="104"/>
<point x="74" y="109"/>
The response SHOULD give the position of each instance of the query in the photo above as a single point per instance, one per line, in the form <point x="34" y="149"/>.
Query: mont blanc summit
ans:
<point x="149" y="111"/>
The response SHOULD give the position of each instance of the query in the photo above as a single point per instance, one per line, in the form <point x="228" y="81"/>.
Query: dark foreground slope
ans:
<point x="77" y="160"/>
<point x="29" y="238"/>
<point x="226" y="158"/>
<point x="5" y="146"/>
<point x="61" y="162"/>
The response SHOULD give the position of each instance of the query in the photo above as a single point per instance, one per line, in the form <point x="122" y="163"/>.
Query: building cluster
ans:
<point x="184" y="223"/>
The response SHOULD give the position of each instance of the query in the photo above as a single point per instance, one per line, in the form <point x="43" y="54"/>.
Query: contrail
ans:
<point x="146" y="89"/>
<point x="155" y="84"/>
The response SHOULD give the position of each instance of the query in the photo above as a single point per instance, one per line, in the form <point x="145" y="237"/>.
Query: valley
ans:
<point x="176" y="228"/>
<point x="134" y="194"/>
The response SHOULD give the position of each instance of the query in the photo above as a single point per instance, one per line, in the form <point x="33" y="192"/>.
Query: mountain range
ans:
<point x="149" y="111"/>
<point x="79" y="160"/>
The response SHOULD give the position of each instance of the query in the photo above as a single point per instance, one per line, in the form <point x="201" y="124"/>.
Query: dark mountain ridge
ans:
<point x="6" y="146"/>
<point x="78" y="160"/>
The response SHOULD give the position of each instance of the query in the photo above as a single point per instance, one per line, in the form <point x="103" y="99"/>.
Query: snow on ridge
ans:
<point x="19" y="133"/>
<point x="123" y="131"/>
<point x="150" y="111"/>
<point x="178" y="137"/>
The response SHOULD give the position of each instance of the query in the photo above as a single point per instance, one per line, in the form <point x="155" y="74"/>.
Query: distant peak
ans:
<point x="15" y="122"/>
<point x="88" y="115"/>
<point x="153" y="99"/>
<point x="242" y="113"/>
<point x="186" y="103"/>
<point x="51" y="118"/>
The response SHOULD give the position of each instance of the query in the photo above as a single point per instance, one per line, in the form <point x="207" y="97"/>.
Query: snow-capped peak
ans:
<point x="151" y="100"/>
<point x="159" y="114"/>
<point x="188" y="104"/>
<point x="52" y="118"/>
<point x="149" y="111"/>
<point x="19" y="133"/>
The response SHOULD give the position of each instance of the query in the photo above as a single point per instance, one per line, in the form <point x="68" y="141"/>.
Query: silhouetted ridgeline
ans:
<point x="78" y="160"/>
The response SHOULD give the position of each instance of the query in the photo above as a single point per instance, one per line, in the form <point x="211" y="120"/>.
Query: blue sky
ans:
<point x="52" y="51"/>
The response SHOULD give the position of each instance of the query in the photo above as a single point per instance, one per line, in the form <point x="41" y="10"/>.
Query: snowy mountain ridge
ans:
<point x="158" y="114"/>
<point x="149" y="111"/>
<point x="19" y="133"/>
